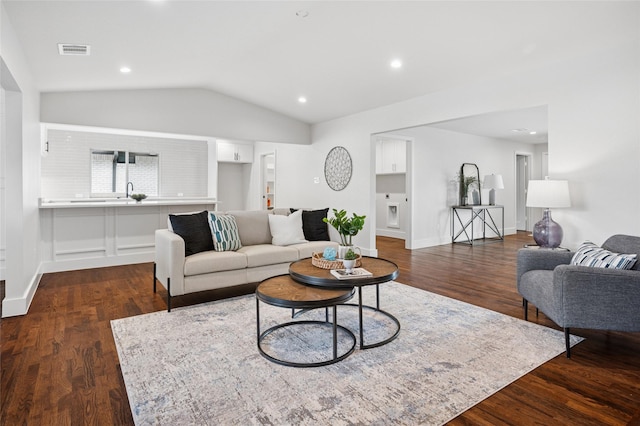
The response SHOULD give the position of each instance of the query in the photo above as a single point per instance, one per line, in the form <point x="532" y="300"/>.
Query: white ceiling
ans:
<point x="514" y="125"/>
<point x="337" y="57"/>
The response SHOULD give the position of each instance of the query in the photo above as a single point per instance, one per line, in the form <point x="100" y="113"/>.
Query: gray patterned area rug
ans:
<point x="199" y="365"/>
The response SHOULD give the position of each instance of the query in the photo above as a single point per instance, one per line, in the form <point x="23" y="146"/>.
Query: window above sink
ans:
<point x="112" y="171"/>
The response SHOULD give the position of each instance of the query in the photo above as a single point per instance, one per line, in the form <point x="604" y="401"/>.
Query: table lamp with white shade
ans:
<point x="548" y="194"/>
<point x="493" y="182"/>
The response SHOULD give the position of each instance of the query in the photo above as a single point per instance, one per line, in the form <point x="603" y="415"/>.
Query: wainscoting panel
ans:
<point x="93" y="237"/>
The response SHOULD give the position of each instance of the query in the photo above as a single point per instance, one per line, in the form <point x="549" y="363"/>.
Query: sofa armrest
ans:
<point x="542" y="259"/>
<point x="170" y="259"/>
<point x="599" y="298"/>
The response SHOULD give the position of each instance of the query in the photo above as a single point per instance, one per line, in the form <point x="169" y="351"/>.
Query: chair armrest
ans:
<point x="542" y="259"/>
<point x="170" y="259"/>
<point x="599" y="298"/>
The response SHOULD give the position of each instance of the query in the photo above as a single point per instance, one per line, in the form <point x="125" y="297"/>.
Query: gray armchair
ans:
<point x="582" y="296"/>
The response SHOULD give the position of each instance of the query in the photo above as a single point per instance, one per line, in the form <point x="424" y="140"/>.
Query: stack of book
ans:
<point x="342" y="274"/>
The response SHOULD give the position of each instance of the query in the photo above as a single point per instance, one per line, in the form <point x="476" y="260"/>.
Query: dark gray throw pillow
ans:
<point x="313" y="227"/>
<point x="194" y="230"/>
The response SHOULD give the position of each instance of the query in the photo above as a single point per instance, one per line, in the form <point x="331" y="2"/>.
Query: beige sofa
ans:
<point x="256" y="260"/>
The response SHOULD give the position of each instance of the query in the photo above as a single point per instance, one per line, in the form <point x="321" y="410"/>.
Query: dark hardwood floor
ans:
<point x="60" y="366"/>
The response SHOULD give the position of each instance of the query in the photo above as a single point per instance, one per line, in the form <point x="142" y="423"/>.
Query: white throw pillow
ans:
<point x="286" y="230"/>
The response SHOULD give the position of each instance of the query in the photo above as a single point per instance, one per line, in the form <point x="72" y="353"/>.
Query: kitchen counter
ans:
<point x="123" y="202"/>
<point x="82" y="233"/>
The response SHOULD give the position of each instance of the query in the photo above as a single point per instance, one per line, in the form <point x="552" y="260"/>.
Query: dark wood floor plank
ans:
<point x="60" y="366"/>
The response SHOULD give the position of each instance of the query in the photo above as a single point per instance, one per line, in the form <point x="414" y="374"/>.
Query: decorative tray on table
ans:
<point x="319" y="261"/>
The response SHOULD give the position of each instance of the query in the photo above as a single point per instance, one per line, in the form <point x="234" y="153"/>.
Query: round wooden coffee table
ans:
<point x="382" y="271"/>
<point x="284" y="292"/>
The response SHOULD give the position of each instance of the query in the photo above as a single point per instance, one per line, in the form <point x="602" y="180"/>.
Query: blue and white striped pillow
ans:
<point x="224" y="231"/>
<point x="590" y="254"/>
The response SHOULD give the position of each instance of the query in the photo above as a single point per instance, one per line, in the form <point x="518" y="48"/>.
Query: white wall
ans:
<point x="197" y="112"/>
<point x="594" y="135"/>
<point x="439" y="155"/>
<point x="3" y="166"/>
<point x="22" y="174"/>
<point x="233" y="185"/>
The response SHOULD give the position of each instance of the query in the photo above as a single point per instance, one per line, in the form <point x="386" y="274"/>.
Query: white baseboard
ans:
<point x="391" y="233"/>
<point x="431" y="242"/>
<point x="97" y="262"/>
<point x="12" y="307"/>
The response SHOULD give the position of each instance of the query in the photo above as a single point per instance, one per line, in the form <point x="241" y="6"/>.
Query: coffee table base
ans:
<point x="362" y="307"/>
<point x="334" y="325"/>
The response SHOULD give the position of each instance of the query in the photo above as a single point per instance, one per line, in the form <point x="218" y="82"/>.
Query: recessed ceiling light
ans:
<point x="125" y="70"/>
<point x="396" y="63"/>
<point x="519" y="130"/>
<point x="533" y="132"/>
<point x="302" y="100"/>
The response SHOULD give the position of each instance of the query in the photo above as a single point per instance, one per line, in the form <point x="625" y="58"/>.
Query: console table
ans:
<point x="482" y="215"/>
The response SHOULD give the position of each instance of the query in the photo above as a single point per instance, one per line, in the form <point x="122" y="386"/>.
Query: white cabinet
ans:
<point x="391" y="156"/>
<point x="235" y="152"/>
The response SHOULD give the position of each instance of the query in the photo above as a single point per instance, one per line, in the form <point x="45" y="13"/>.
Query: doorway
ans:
<point x="393" y="186"/>
<point x="523" y="174"/>
<point x="268" y="173"/>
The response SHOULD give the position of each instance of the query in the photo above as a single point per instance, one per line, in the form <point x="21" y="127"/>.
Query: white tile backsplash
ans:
<point x="66" y="170"/>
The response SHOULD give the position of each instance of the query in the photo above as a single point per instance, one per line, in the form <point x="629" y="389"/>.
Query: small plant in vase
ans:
<point x="349" y="260"/>
<point x="466" y="182"/>
<point x="138" y="197"/>
<point x="347" y="226"/>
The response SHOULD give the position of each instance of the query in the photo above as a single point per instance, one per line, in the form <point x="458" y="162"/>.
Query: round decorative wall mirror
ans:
<point x="338" y="168"/>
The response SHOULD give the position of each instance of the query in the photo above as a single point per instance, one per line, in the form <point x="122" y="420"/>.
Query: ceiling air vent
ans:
<point x="74" y="49"/>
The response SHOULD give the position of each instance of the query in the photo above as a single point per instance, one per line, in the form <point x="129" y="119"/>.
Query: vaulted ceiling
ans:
<point x="335" y="54"/>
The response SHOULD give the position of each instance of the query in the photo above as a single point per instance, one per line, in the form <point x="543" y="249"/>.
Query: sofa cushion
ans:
<point x="224" y="231"/>
<point x="590" y="254"/>
<point x="267" y="254"/>
<point x="194" y="230"/>
<point x="253" y="226"/>
<point x="286" y="230"/>
<point x="307" y="249"/>
<point x="314" y="228"/>
<point x="213" y="261"/>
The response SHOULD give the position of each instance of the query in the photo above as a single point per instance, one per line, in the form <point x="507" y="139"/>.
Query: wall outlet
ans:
<point x="316" y="179"/>
<point x="180" y="194"/>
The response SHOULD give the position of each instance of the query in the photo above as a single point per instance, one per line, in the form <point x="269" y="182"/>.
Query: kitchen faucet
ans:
<point x="127" y="194"/>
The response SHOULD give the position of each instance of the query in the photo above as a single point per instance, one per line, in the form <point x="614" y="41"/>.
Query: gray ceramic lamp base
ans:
<point x="546" y="232"/>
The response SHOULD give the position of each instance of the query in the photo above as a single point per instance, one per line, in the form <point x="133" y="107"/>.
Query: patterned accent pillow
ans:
<point x="590" y="254"/>
<point x="224" y="231"/>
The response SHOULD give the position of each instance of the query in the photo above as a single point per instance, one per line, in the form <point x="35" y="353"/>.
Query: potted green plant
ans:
<point x="349" y="260"/>
<point x="138" y="197"/>
<point x="347" y="227"/>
